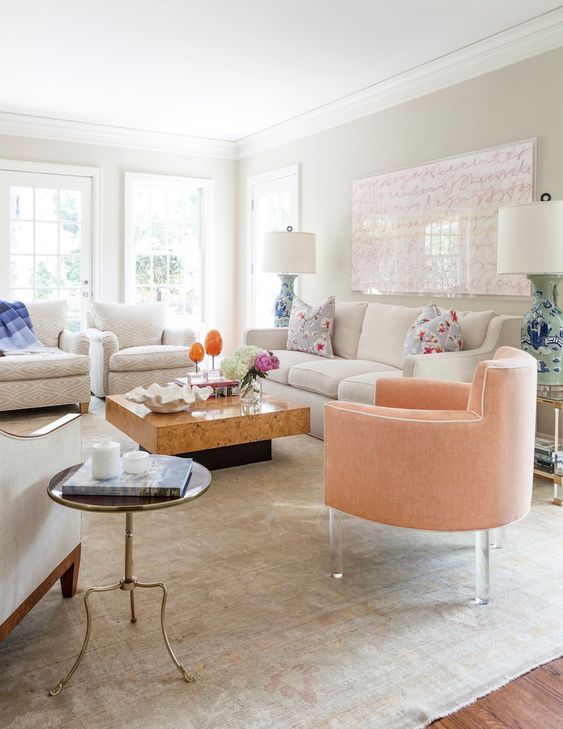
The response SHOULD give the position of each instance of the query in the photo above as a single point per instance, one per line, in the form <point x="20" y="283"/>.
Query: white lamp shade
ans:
<point x="289" y="252"/>
<point x="530" y="238"/>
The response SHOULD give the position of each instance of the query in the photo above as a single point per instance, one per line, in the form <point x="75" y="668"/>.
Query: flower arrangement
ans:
<point x="249" y="364"/>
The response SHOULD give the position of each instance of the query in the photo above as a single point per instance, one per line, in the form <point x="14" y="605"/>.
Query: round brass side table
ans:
<point x="199" y="483"/>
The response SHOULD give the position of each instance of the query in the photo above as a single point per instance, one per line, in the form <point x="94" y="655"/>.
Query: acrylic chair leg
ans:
<point x="482" y="567"/>
<point x="499" y="538"/>
<point x="335" y="530"/>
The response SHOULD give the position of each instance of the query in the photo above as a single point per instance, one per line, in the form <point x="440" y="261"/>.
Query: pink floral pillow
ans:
<point x="310" y="327"/>
<point x="433" y="332"/>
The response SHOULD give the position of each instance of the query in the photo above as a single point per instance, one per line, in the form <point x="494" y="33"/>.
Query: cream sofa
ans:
<point x="58" y="376"/>
<point x="368" y="343"/>
<point x="131" y="346"/>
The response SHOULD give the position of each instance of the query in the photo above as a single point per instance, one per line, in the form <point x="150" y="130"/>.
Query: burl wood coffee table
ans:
<point x="219" y="433"/>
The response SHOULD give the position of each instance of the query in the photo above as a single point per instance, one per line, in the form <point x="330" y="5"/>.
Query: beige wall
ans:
<point x="521" y="101"/>
<point x="113" y="162"/>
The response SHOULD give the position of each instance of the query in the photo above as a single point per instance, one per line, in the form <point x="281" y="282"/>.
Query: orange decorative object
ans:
<point x="196" y="353"/>
<point x="213" y="343"/>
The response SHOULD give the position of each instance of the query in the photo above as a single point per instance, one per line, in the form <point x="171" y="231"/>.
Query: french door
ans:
<point x="274" y="205"/>
<point x="46" y="239"/>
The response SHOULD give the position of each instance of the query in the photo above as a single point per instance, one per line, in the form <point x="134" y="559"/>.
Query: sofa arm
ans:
<point x="179" y="337"/>
<point x="74" y="342"/>
<point x="273" y="338"/>
<point x="102" y="346"/>
<point x="460" y="366"/>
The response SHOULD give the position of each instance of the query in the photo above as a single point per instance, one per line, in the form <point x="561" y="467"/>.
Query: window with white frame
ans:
<point x="166" y="234"/>
<point x="274" y="204"/>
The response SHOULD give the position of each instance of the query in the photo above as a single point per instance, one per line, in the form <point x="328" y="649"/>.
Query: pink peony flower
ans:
<point x="266" y="361"/>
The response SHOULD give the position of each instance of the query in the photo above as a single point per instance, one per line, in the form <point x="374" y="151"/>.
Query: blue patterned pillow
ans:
<point x="433" y="332"/>
<point x="310" y="327"/>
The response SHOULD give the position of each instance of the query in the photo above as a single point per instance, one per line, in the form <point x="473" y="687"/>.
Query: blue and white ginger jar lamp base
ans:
<point x="542" y="333"/>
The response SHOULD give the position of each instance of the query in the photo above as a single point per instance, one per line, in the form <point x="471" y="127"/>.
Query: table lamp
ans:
<point x="288" y="254"/>
<point x="530" y="241"/>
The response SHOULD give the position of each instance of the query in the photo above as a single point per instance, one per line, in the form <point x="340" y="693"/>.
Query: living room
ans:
<point x="396" y="171"/>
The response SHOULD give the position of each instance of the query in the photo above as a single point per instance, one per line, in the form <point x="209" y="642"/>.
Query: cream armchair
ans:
<point x="39" y="540"/>
<point x="131" y="346"/>
<point x="58" y="376"/>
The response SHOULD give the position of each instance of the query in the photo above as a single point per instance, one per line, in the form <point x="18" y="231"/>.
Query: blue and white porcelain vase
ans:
<point x="284" y="300"/>
<point x="542" y="331"/>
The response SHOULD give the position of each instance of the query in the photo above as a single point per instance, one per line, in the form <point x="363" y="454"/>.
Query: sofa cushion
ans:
<point x="310" y="327"/>
<point x="324" y="376"/>
<point x="474" y="326"/>
<point x="48" y="319"/>
<point x="384" y="330"/>
<point x="134" y="325"/>
<point x="42" y="366"/>
<point x="361" y="388"/>
<point x="288" y="359"/>
<point x="150" y="357"/>
<point x="348" y="319"/>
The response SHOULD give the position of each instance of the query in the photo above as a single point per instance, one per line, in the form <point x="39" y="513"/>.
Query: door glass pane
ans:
<point x="46" y="272"/>
<point x="21" y="237"/>
<point x="70" y="202"/>
<point x="21" y="203"/>
<point x="46" y="204"/>
<point x="70" y="238"/>
<point x="70" y="271"/>
<point x="21" y="271"/>
<point x="46" y="238"/>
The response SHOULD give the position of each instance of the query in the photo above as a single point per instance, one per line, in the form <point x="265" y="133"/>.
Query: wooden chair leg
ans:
<point x="69" y="579"/>
<point x="84" y="406"/>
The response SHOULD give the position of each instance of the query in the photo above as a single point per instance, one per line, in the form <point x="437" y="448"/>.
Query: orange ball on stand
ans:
<point x="196" y="353"/>
<point x="213" y="345"/>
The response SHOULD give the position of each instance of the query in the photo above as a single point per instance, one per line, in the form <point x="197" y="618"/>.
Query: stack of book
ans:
<point x="221" y="386"/>
<point x="166" y="477"/>
<point x="546" y="458"/>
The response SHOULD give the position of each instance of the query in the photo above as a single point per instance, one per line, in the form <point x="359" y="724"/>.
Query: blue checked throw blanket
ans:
<point x="16" y="330"/>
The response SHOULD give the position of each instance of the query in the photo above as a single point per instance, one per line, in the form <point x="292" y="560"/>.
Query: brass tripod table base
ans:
<point x="130" y="584"/>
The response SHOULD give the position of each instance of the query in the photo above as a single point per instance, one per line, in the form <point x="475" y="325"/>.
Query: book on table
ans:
<point x="167" y="476"/>
<point x="222" y="387"/>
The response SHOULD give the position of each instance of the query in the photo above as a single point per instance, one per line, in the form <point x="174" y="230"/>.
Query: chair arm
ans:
<point x="102" y="346"/>
<point x="74" y="342"/>
<point x="181" y="337"/>
<point x="460" y="366"/>
<point x="418" y="469"/>
<point x="273" y="338"/>
<point x="423" y="394"/>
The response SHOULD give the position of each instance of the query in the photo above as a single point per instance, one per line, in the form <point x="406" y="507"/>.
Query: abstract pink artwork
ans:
<point x="433" y="228"/>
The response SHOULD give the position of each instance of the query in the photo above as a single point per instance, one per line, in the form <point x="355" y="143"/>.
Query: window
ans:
<point x="274" y="203"/>
<point x="46" y="219"/>
<point x="166" y="230"/>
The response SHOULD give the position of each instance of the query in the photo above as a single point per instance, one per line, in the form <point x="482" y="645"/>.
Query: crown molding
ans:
<point x="23" y="125"/>
<point x="532" y="38"/>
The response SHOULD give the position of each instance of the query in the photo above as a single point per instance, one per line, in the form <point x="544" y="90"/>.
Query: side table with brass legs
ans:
<point x="199" y="483"/>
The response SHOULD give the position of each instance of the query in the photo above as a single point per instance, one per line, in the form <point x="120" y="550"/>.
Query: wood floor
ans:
<point x="533" y="701"/>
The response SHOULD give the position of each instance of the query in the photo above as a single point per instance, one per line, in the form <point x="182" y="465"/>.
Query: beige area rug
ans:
<point x="274" y="641"/>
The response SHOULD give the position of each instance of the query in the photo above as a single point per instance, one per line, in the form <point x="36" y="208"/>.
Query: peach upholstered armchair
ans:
<point x="485" y="430"/>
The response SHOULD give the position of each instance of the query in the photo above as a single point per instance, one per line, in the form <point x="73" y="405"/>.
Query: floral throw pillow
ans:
<point x="433" y="332"/>
<point x="310" y="327"/>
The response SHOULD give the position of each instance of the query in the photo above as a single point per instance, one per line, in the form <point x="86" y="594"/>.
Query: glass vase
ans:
<point x="252" y="393"/>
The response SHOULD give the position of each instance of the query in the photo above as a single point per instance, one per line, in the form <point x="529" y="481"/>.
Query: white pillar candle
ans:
<point x="136" y="461"/>
<point x="106" y="459"/>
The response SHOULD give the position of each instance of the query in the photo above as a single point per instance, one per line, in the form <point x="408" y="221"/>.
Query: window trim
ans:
<point x="269" y="176"/>
<point x="207" y="188"/>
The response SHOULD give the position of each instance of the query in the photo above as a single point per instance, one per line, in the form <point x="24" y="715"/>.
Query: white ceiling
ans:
<point x="221" y="69"/>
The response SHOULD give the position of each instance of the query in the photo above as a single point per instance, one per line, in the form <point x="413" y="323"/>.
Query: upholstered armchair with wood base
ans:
<point x="39" y="540"/>
<point x="376" y="456"/>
